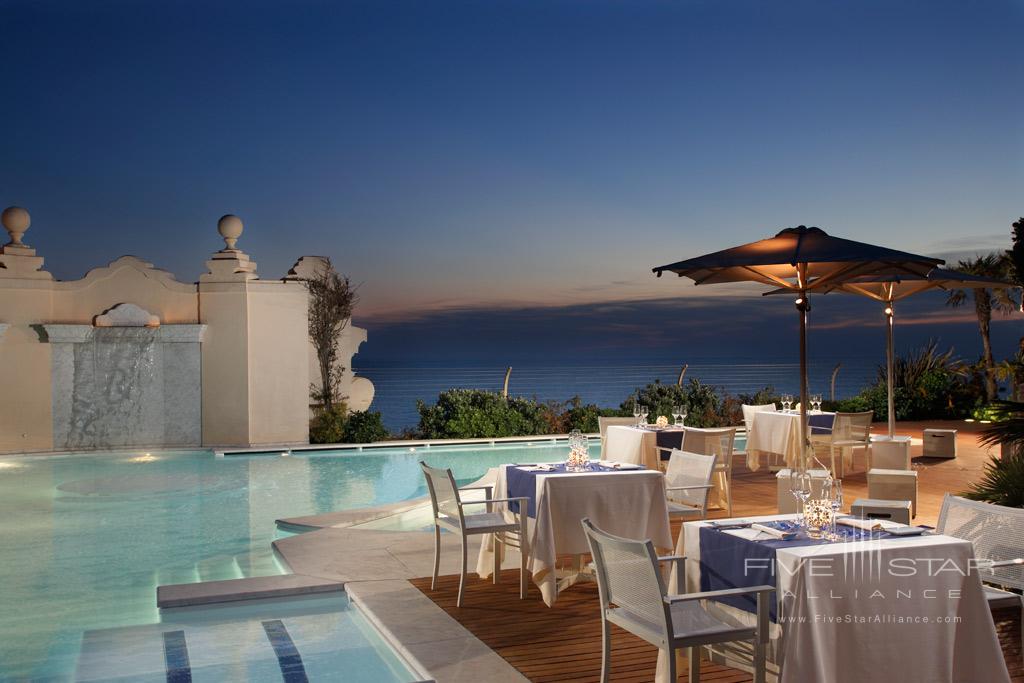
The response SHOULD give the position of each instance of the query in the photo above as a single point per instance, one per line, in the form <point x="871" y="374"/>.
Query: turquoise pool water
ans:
<point x="88" y="538"/>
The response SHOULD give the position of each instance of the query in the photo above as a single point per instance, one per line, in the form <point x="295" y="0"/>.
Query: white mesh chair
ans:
<point x="604" y="422"/>
<point x="448" y="512"/>
<point x="633" y="597"/>
<point x="718" y="442"/>
<point x="748" y="423"/>
<point x="997" y="534"/>
<point x="750" y="411"/>
<point x="687" y="482"/>
<point x="849" y="431"/>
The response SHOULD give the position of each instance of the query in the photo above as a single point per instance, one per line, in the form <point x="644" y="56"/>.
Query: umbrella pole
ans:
<point x="889" y="363"/>
<point x="802" y="305"/>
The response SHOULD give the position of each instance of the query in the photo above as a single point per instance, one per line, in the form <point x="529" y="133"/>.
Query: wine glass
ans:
<point x="636" y="412"/>
<point x="836" y="499"/>
<point x="644" y="412"/>
<point x="800" y="487"/>
<point x="787" y="401"/>
<point x="816" y="402"/>
<point x="675" y="415"/>
<point x="682" y="416"/>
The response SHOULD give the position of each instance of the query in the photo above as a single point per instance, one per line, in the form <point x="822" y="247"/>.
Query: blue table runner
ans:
<point x="728" y="561"/>
<point x="523" y="484"/>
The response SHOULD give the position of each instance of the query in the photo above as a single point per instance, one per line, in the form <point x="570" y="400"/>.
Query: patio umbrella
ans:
<point x="892" y="288"/>
<point x="800" y="260"/>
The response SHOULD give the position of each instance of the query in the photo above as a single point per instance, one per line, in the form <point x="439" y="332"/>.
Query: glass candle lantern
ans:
<point x="818" y="517"/>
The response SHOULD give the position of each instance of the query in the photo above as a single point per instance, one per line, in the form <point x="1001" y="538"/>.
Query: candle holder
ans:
<point x="818" y="516"/>
<point x="579" y="454"/>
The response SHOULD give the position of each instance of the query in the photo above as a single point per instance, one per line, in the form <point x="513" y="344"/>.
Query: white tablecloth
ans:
<point x="876" y="611"/>
<point x="774" y="433"/>
<point x="630" y="504"/>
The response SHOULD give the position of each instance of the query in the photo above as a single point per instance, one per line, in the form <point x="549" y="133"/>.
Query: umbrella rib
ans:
<point x="839" y="272"/>
<point x="768" y="276"/>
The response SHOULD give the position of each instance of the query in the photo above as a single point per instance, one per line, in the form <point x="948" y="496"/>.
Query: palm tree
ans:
<point x="986" y="300"/>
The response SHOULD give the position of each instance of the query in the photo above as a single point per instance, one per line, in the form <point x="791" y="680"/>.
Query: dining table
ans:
<point x="776" y="434"/>
<point x="624" y="499"/>
<point x="871" y="605"/>
<point x="640" y="444"/>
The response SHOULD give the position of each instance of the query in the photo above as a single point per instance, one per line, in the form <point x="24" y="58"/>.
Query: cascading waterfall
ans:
<point x="117" y="389"/>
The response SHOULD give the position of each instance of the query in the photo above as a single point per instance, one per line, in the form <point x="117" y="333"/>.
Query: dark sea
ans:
<point x="398" y="387"/>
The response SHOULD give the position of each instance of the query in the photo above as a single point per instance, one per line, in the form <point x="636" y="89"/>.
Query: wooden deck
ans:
<point x="563" y="643"/>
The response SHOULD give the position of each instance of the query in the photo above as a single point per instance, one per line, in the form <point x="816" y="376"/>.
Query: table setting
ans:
<point x="777" y="433"/>
<point x="841" y="580"/>
<point x="625" y="498"/>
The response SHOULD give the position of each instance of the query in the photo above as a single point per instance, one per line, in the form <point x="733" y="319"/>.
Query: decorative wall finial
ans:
<point x="230" y="228"/>
<point x="16" y="221"/>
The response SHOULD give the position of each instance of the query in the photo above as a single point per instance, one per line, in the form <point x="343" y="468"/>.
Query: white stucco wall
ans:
<point x="255" y="352"/>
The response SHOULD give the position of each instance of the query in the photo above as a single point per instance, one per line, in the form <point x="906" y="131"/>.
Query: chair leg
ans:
<point x="523" y="572"/>
<point x="437" y="556"/>
<point x="672" y="664"/>
<point x="497" y="559"/>
<point x="728" y="490"/>
<point x="462" y="576"/>
<point x="606" y="651"/>
<point x="694" y="664"/>
<point x="759" y="660"/>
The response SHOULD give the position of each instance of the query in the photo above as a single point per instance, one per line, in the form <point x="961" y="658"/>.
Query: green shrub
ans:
<point x="705" y="405"/>
<point x="328" y="424"/>
<point x="928" y="385"/>
<point x="473" y="413"/>
<point x="364" y="426"/>
<point x="583" y="417"/>
<point x="1002" y="482"/>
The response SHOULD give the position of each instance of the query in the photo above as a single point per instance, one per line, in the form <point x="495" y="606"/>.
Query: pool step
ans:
<point x="219" y="568"/>
<point x="234" y="590"/>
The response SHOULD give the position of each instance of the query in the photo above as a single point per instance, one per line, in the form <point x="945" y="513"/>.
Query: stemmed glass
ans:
<point x="816" y="403"/>
<point x="636" y="411"/>
<point x="787" y="401"/>
<point x="800" y="487"/>
<point x="680" y="415"/>
<point x="644" y="412"/>
<point x="836" y="499"/>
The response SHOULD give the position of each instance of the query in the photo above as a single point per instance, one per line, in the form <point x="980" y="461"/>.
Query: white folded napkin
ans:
<point x="865" y="524"/>
<point x="537" y="468"/>
<point x="772" y="531"/>
<point x="615" y="464"/>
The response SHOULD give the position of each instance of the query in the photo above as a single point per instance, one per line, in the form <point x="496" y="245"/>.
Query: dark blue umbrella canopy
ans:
<point x="800" y="259"/>
<point x="896" y="287"/>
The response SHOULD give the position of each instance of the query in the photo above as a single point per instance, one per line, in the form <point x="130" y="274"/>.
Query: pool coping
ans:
<point x="276" y="449"/>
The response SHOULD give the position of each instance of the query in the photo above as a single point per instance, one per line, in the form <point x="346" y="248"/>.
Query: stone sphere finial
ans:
<point x="230" y="228"/>
<point x="16" y="221"/>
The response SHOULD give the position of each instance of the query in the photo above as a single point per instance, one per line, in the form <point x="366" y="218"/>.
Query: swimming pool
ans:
<point x="87" y="538"/>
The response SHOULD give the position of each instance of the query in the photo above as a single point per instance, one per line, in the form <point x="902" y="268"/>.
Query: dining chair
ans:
<point x="634" y="597"/>
<point x="447" y="503"/>
<point x="604" y="422"/>
<point x="749" y="411"/>
<point x="687" y="482"/>
<point x="719" y="442"/>
<point x="849" y="431"/>
<point x="997" y="534"/>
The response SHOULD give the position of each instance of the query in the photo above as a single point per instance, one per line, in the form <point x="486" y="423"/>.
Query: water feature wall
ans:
<point x="126" y="386"/>
<point x="127" y="355"/>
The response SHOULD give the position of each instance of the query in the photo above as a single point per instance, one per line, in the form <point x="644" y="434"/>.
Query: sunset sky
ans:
<point x="493" y="156"/>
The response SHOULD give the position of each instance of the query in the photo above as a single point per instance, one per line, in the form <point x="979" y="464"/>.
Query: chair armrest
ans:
<point x="671" y="558"/>
<point x="521" y="501"/>
<point x="1005" y="563"/>
<point x="717" y="595"/>
<point x="687" y="488"/>
<point x="477" y="488"/>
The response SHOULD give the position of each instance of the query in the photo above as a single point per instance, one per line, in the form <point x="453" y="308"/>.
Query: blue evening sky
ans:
<point x="490" y="154"/>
